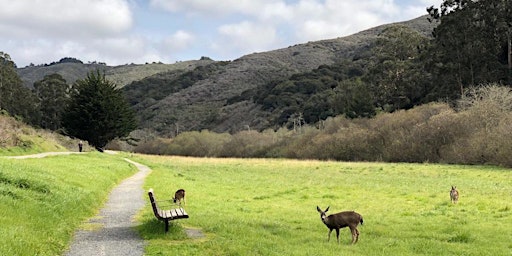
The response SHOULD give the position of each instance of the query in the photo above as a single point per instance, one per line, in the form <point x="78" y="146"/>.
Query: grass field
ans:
<point x="268" y="207"/>
<point x="264" y="206"/>
<point x="43" y="201"/>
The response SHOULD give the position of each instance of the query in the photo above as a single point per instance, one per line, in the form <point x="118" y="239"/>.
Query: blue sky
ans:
<point x="138" y="31"/>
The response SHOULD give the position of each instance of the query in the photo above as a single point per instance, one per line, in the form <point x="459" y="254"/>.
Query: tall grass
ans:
<point x="43" y="201"/>
<point x="268" y="207"/>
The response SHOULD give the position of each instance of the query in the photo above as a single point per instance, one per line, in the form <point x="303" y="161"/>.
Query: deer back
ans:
<point x="343" y="219"/>
<point x="180" y="194"/>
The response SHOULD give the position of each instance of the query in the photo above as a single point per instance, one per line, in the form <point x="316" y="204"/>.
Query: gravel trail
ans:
<point x="112" y="231"/>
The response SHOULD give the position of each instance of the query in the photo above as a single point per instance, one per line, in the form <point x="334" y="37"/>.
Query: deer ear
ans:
<point x="318" y="209"/>
<point x="327" y="208"/>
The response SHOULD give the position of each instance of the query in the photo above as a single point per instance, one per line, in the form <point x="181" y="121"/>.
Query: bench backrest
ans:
<point x="153" y="204"/>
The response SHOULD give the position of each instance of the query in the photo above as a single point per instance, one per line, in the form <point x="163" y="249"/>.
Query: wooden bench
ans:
<point x="176" y="212"/>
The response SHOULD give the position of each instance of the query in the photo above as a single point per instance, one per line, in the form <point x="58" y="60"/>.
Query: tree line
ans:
<point x="92" y="109"/>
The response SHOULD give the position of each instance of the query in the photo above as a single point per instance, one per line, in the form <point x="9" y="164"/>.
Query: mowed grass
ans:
<point x="43" y="201"/>
<point x="268" y="207"/>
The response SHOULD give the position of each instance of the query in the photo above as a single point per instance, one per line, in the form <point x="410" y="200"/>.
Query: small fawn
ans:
<point x="340" y="220"/>
<point x="179" y="196"/>
<point x="454" y="195"/>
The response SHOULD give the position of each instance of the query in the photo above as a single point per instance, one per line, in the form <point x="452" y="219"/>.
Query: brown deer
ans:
<point x="340" y="220"/>
<point x="454" y="195"/>
<point x="179" y="196"/>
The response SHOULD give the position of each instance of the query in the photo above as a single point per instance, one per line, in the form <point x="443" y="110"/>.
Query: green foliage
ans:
<point x="44" y="201"/>
<point x="98" y="111"/>
<point x="324" y="92"/>
<point x="396" y="74"/>
<point x="16" y="99"/>
<point x="267" y="207"/>
<point x="471" y="46"/>
<point x="161" y="85"/>
<point x="52" y="93"/>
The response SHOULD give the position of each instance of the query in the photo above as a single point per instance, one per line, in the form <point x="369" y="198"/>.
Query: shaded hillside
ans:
<point x="121" y="75"/>
<point x="209" y="102"/>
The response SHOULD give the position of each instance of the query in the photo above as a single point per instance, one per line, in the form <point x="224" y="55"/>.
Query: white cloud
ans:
<point x="125" y="31"/>
<point x="63" y="18"/>
<point x="246" y="36"/>
<point x="180" y="40"/>
<point x="212" y="7"/>
<point x="255" y="24"/>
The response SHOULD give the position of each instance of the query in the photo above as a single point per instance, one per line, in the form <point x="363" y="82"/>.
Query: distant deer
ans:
<point x="339" y="220"/>
<point x="179" y="196"/>
<point x="454" y="195"/>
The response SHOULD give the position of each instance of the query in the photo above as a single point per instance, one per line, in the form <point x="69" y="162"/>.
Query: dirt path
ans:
<point x="112" y="230"/>
<point x="41" y="155"/>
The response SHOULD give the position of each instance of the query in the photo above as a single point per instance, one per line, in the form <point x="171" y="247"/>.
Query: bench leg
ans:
<point x="166" y="225"/>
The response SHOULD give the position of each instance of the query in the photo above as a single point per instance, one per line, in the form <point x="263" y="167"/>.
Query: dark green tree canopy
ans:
<point x="52" y="93"/>
<point x="98" y="112"/>
<point x="472" y="45"/>
<point x="16" y="99"/>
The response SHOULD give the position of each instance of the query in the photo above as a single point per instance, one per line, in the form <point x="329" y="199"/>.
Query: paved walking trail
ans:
<point x="115" y="234"/>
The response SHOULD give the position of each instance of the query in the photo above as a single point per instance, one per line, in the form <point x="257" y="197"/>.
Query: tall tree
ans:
<point x="98" y="111"/>
<point x="53" y="93"/>
<point x="469" y="45"/>
<point x="14" y="97"/>
<point x="396" y="73"/>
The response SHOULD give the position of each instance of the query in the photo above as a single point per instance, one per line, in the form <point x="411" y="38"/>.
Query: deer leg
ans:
<point x="329" y="235"/>
<point x="353" y="231"/>
<point x="338" y="235"/>
<point x="357" y="235"/>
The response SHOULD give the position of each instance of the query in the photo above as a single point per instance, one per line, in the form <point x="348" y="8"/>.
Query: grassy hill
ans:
<point x="121" y="75"/>
<point x="17" y="138"/>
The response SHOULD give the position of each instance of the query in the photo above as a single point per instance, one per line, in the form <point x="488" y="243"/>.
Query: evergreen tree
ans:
<point x="53" y="94"/>
<point x="396" y="75"/>
<point x="471" y="45"/>
<point x="16" y="99"/>
<point x="98" y="112"/>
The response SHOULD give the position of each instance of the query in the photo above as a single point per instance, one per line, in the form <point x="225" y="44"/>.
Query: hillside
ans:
<point x="207" y="94"/>
<point x="204" y="103"/>
<point x="121" y="75"/>
<point x="17" y="138"/>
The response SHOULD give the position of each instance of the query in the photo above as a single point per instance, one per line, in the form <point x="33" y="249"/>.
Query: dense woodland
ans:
<point x="352" y="109"/>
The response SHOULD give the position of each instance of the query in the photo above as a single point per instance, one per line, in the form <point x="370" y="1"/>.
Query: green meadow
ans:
<point x="268" y="207"/>
<point x="263" y="206"/>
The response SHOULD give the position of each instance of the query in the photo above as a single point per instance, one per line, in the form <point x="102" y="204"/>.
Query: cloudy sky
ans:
<point x="138" y="31"/>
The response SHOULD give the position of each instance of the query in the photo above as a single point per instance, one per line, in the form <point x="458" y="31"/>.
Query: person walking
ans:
<point x="80" y="146"/>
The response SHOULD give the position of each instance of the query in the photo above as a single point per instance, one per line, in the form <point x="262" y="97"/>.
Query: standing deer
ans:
<point x="179" y="196"/>
<point x="341" y="220"/>
<point x="454" y="195"/>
